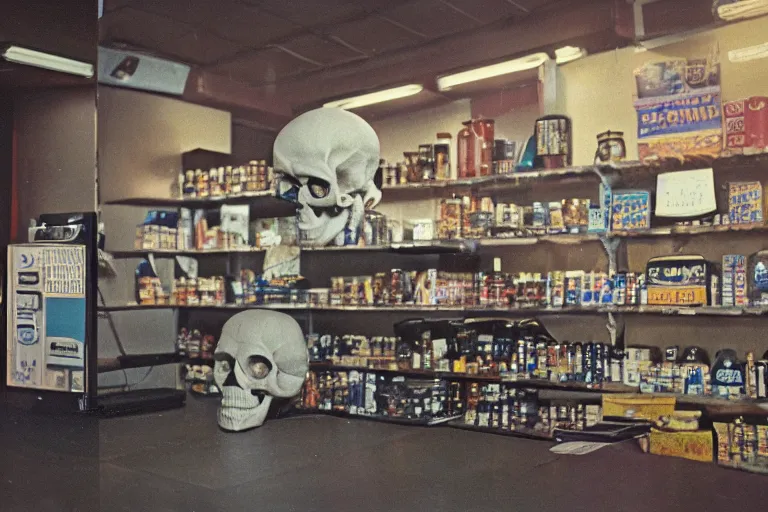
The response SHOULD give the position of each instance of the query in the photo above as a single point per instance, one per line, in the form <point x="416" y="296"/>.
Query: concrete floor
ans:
<point x="180" y="461"/>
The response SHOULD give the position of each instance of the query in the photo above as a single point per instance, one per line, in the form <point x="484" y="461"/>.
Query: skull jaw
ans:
<point x="319" y="231"/>
<point x="238" y="419"/>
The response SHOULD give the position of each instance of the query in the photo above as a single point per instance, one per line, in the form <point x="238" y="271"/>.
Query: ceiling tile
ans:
<point x="187" y="11"/>
<point x="374" y="35"/>
<point x="488" y="11"/>
<point x="200" y="48"/>
<point x="319" y="50"/>
<point x="140" y="28"/>
<point x="316" y="12"/>
<point x="112" y="5"/>
<point x="249" y="25"/>
<point x="531" y="5"/>
<point x="430" y="17"/>
<point x="263" y="67"/>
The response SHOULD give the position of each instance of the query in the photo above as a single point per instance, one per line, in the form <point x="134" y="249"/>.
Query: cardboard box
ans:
<point x="698" y="445"/>
<point x="637" y="406"/>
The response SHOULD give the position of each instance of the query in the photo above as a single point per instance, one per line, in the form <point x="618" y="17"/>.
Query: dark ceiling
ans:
<point x="302" y="52"/>
<point x="264" y="41"/>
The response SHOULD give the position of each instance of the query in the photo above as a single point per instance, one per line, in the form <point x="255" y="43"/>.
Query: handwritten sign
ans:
<point x="685" y="193"/>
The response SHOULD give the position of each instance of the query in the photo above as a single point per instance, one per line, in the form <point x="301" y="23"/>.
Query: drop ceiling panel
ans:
<point x="250" y="26"/>
<point x="488" y="11"/>
<point x="140" y="28"/>
<point x="374" y="35"/>
<point x="263" y="67"/>
<point x="532" y="5"/>
<point x="314" y="12"/>
<point x="431" y="18"/>
<point x="200" y="48"/>
<point x="319" y="50"/>
<point x="195" y="12"/>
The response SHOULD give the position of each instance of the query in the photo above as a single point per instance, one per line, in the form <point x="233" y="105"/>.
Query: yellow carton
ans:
<point x="697" y="445"/>
<point x="637" y="406"/>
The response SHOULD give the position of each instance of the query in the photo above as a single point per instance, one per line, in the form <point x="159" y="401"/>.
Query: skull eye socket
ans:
<point x="224" y="362"/>
<point x="318" y="188"/>
<point x="259" y="366"/>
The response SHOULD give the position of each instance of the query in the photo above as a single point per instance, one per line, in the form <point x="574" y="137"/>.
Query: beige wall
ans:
<point x="597" y="92"/>
<point x="141" y="138"/>
<point x="56" y="153"/>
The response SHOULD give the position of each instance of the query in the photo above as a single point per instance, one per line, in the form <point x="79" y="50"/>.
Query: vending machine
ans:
<point x="49" y="307"/>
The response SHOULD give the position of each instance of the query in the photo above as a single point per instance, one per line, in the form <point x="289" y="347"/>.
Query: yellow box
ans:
<point x="697" y="445"/>
<point x="677" y="295"/>
<point x="638" y="406"/>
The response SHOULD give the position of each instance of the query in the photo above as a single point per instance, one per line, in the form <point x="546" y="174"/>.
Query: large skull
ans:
<point x="261" y="354"/>
<point x="331" y="156"/>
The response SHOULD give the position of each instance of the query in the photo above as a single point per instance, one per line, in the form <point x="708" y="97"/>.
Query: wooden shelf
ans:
<point x="263" y="204"/>
<point x="608" y="387"/>
<point x="518" y="432"/>
<point x="171" y="253"/>
<point x="618" y="172"/>
<point x="379" y="418"/>
<point x="416" y="247"/>
<point x="471" y="245"/>
<point x="749" y="312"/>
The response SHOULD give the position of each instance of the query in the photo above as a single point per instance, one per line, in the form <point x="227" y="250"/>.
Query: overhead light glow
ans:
<point x="742" y="10"/>
<point x="375" y="97"/>
<point x="569" y="54"/>
<point x="27" y="57"/>
<point x="447" y="82"/>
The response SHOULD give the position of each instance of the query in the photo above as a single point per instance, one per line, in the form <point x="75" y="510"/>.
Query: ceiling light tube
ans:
<point x="445" y="83"/>
<point x="375" y="97"/>
<point x="27" y="57"/>
<point x="569" y="54"/>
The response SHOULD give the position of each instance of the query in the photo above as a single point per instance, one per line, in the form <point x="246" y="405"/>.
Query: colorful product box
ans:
<point x="734" y="292"/>
<point x="745" y="202"/>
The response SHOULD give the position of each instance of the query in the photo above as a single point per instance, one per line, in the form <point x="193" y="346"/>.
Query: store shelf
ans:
<point x="230" y="307"/>
<point x="631" y="171"/>
<point x="379" y="418"/>
<point x="608" y="387"/>
<point x="171" y="253"/>
<point x="416" y="247"/>
<point x="263" y="204"/>
<point x="719" y="407"/>
<point x="518" y="432"/>
<point x="476" y="310"/>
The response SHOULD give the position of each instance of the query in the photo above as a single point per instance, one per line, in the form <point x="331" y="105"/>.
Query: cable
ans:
<point x="142" y="379"/>
<point x="112" y="325"/>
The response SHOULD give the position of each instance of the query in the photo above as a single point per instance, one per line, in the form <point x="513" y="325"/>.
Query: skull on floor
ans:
<point x="261" y="355"/>
<point x="330" y="156"/>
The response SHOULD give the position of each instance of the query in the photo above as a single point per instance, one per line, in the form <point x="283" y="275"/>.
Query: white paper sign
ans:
<point x="685" y="193"/>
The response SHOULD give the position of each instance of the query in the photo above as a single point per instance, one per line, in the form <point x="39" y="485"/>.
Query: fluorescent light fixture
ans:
<point x="376" y="97"/>
<point x="569" y="54"/>
<point x="27" y="57"/>
<point x="447" y="82"/>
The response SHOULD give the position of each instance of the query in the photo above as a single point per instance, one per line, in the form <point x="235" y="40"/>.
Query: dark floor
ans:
<point x="180" y="461"/>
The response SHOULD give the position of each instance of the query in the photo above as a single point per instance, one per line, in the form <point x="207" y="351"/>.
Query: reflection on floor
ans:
<point x="180" y="461"/>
